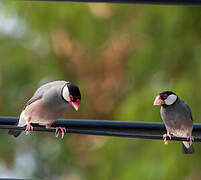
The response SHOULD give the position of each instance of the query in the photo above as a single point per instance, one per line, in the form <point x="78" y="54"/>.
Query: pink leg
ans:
<point x="28" y="128"/>
<point x="165" y="137"/>
<point x="63" y="130"/>
<point x="191" y="139"/>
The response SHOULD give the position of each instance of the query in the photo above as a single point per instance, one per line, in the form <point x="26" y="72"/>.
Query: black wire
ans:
<point x="131" y="129"/>
<point x="103" y="133"/>
<point x="160" y="2"/>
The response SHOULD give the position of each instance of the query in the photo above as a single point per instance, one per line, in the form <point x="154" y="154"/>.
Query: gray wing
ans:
<point x="188" y="108"/>
<point x="37" y="95"/>
<point x="41" y="90"/>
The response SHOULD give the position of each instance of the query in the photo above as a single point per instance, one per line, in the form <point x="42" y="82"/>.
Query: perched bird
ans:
<point x="177" y="117"/>
<point x="48" y="103"/>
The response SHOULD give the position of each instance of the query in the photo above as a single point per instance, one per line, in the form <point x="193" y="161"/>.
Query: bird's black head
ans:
<point x="74" y="91"/>
<point x="71" y="94"/>
<point x="166" y="98"/>
<point x="164" y="95"/>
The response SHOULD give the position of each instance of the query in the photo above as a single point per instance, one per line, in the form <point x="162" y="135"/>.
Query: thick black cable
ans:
<point x="131" y="129"/>
<point x="102" y="133"/>
<point x="157" y="2"/>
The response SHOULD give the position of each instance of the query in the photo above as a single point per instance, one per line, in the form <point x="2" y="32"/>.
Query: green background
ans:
<point x="121" y="57"/>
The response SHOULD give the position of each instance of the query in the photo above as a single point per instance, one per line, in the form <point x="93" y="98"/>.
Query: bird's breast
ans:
<point x="41" y="113"/>
<point x="181" y="132"/>
<point x="177" y="123"/>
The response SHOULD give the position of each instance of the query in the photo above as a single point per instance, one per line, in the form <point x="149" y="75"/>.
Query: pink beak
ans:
<point x="158" y="101"/>
<point x="75" y="104"/>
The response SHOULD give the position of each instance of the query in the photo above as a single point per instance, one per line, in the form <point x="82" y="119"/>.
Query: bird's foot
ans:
<point x="191" y="139"/>
<point x="62" y="129"/>
<point x="165" y="137"/>
<point x="28" y="128"/>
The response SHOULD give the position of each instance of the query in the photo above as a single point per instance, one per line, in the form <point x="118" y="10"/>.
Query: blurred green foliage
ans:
<point x="121" y="57"/>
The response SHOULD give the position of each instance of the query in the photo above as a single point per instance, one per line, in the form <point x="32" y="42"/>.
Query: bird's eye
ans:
<point x="71" y="97"/>
<point x="165" y="96"/>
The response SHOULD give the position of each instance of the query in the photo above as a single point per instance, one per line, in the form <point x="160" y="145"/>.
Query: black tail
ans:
<point x="15" y="133"/>
<point x="186" y="150"/>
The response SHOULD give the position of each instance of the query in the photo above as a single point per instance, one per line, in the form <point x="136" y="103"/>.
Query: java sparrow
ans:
<point x="48" y="103"/>
<point x="177" y="117"/>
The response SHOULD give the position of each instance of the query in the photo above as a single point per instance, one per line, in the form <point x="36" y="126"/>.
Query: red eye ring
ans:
<point x="71" y="97"/>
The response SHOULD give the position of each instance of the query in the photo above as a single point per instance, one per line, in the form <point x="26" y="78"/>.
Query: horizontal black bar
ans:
<point x="102" y="133"/>
<point x="159" y="2"/>
<point x="146" y="130"/>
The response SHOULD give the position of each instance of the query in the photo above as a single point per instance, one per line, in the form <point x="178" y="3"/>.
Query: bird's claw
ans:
<point x="28" y="128"/>
<point x="191" y="139"/>
<point x="62" y="129"/>
<point x="165" y="137"/>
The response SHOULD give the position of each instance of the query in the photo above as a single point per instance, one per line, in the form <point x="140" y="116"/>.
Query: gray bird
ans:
<point x="177" y="117"/>
<point x="48" y="103"/>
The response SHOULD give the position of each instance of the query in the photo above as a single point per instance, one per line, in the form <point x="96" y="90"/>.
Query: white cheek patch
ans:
<point x="171" y="99"/>
<point x="65" y="93"/>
